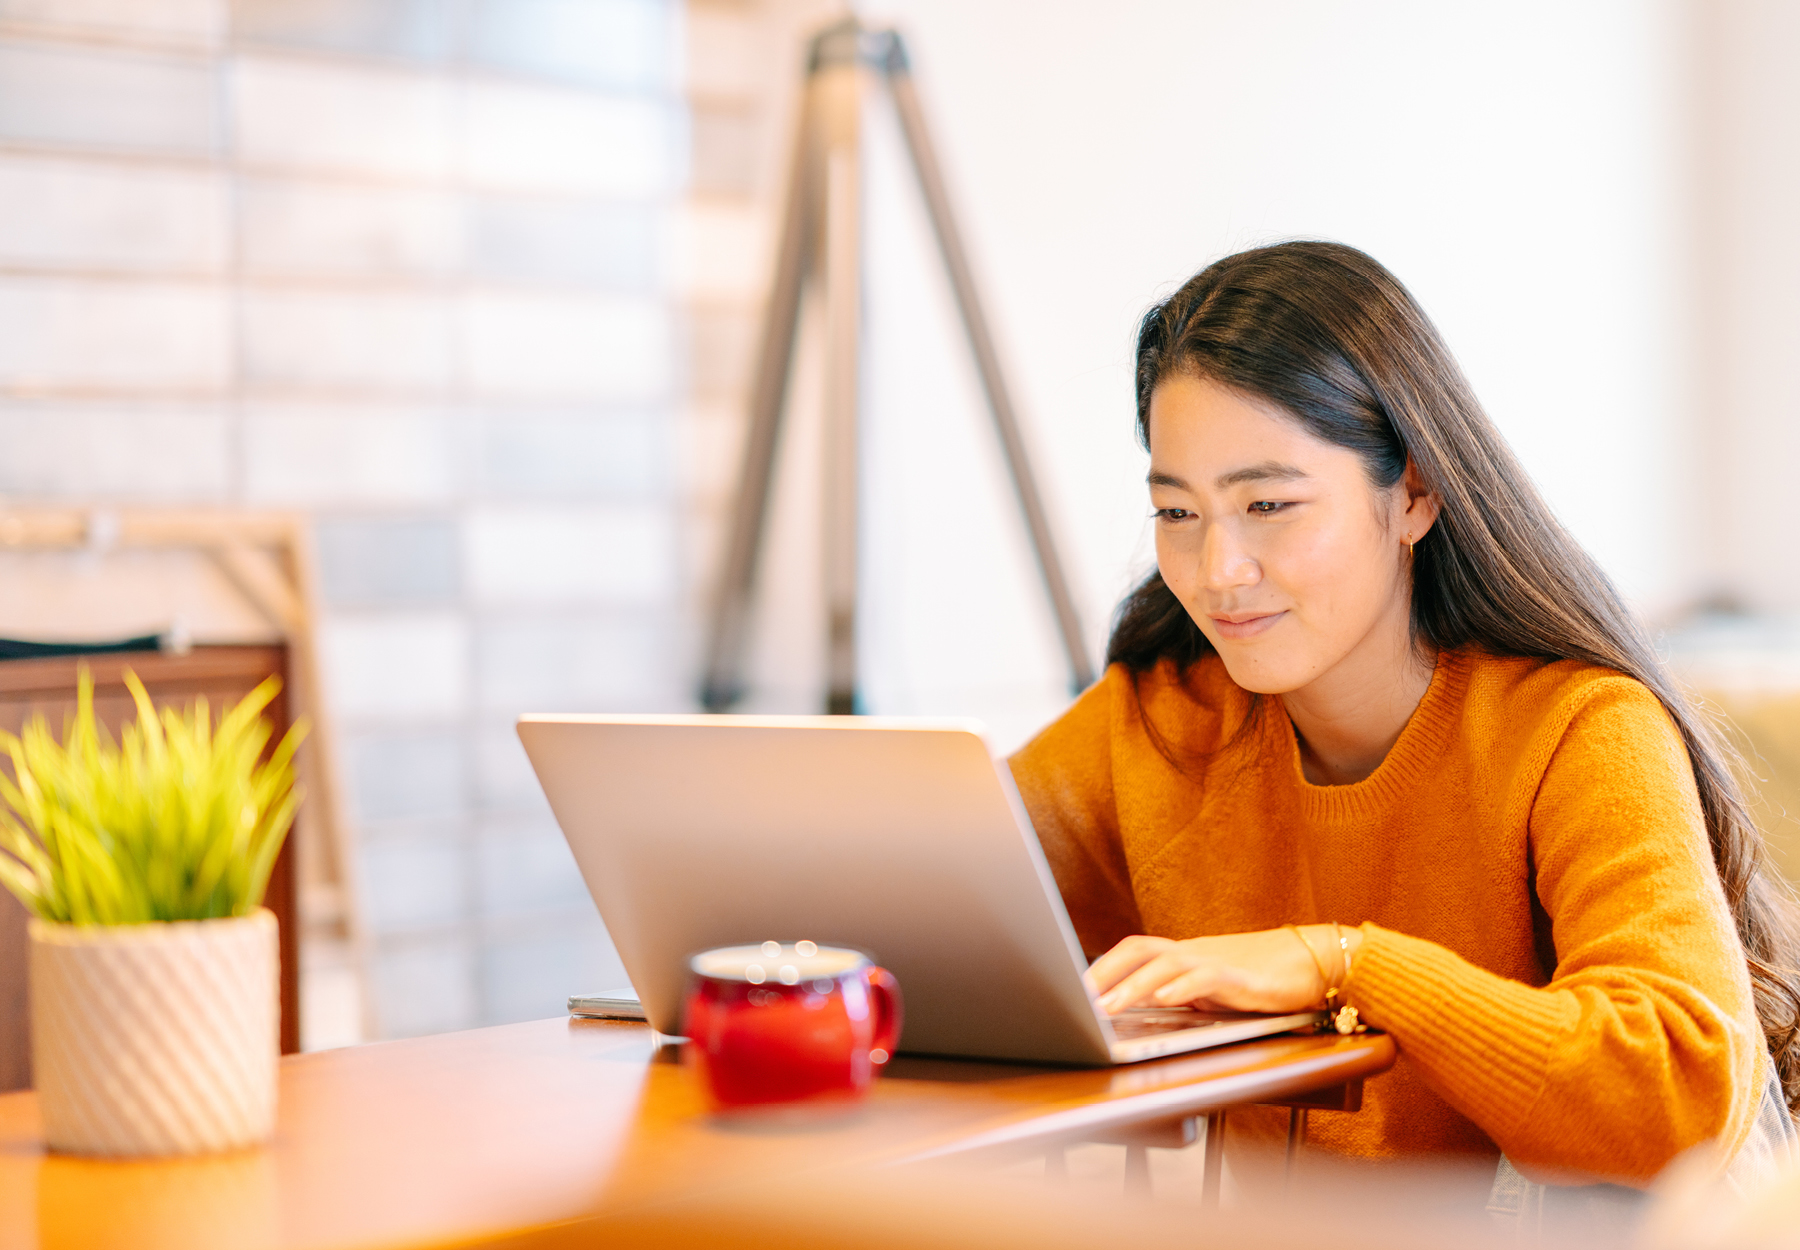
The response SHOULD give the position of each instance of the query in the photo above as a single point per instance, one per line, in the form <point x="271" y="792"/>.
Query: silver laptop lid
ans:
<point x="905" y="838"/>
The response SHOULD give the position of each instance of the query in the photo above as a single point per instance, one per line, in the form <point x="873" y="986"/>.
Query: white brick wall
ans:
<point x="524" y="868"/>
<point x="135" y="337"/>
<point x="353" y="339"/>
<point x="324" y="454"/>
<point x="617" y="555"/>
<point x="177" y="21"/>
<point x="563" y="241"/>
<point x="567" y="347"/>
<point x="297" y="228"/>
<point x="396" y="666"/>
<point x="108" y="98"/>
<point x="123" y="450"/>
<point x="603" y="43"/>
<point x="524" y="138"/>
<point x="405" y="267"/>
<point x="566" y="454"/>
<point x="343" y="119"/>
<point x="418" y="880"/>
<point x="426" y="984"/>
<point x="90" y="214"/>
<point x="502" y="774"/>
<point x="522" y="964"/>
<point x="408" y="774"/>
<point x="576" y="662"/>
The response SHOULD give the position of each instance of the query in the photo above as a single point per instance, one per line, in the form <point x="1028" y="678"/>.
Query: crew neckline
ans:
<point x="1407" y="761"/>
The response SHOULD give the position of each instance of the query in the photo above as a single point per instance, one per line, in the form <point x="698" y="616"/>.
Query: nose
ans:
<point x="1224" y="563"/>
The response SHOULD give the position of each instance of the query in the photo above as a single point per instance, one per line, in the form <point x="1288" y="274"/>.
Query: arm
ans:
<point x="1064" y="776"/>
<point x="1645" y="1041"/>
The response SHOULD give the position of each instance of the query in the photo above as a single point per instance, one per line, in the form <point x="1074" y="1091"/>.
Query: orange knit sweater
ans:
<point x="1544" y="932"/>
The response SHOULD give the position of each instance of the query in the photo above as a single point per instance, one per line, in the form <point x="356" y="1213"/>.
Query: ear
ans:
<point x="1422" y="505"/>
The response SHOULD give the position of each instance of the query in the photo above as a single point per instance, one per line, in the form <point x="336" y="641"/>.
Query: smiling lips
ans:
<point x="1239" y="625"/>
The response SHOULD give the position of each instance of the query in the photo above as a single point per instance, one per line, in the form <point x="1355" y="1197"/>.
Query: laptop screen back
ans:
<point x="904" y="839"/>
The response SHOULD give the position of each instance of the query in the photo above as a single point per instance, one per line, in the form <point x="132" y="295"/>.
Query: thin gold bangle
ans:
<point x="1324" y="977"/>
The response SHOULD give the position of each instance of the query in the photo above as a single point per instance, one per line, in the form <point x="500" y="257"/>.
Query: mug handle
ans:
<point x="885" y="990"/>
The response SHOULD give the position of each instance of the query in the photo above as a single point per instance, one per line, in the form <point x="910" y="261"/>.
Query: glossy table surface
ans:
<point x="454" y="1139"/>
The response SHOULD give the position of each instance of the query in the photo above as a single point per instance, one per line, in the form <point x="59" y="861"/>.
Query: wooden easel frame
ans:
<point x="821" y="246"/>
<point x="268" y="558"/>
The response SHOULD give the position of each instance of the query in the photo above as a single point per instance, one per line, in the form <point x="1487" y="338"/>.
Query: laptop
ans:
<point x="904" y="838"/>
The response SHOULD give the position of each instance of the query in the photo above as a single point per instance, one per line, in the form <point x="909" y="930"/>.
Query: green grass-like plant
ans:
<point x="178" y="820"/>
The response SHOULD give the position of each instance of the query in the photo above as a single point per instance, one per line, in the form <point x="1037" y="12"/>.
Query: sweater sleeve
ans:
<point x="1645" y="1041"/>
<point x="1064" y="776"/>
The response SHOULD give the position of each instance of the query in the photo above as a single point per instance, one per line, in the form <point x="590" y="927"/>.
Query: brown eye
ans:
<point x="1263" y="507"/>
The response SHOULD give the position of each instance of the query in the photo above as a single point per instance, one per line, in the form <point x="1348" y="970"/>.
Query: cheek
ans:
<point x="1180" y="566"/>
<point x="1173" y="568"/>
<point x="1336" y="576"/>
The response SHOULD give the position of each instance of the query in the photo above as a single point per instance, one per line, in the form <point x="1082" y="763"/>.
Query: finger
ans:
<point x="1124" y="959"/>
<point x="1195" y="986"/>
<point x="1137" y="989"/>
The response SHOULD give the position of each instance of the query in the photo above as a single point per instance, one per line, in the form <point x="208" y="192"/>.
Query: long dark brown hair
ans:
<point x="1332" y="338"/>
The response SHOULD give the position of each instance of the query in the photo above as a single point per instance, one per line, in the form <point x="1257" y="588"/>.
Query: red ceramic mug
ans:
<point x="776" y="1023"/>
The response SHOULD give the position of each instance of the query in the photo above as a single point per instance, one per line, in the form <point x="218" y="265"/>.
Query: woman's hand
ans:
<point x="1266" y="971"/>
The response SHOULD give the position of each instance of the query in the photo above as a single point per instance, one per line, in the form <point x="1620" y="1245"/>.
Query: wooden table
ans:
<point x="495" y="1132"/>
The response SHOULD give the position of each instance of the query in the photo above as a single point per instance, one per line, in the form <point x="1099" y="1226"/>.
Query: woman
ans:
<point x="1377" y="732"/>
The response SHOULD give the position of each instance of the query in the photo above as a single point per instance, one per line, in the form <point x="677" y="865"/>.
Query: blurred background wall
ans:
<point x="476" y="283"/>
<point x="403" y="266"/>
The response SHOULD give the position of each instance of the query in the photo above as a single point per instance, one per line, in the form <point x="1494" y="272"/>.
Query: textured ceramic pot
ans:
<point x="156" y="1039"/>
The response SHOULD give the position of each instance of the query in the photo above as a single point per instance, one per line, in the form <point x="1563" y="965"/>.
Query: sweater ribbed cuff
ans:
<point x="1483" y="1040"/>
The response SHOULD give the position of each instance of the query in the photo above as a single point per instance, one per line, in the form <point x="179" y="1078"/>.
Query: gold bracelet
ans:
<point x="1324" y="977"/>
<point x="1344" y="1020"/>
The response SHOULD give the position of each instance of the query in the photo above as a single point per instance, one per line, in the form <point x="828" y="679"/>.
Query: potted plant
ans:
<point x="155" y="986"/>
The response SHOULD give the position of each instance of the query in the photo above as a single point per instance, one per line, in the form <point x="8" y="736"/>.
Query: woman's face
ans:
<point x="1275" y="541"/>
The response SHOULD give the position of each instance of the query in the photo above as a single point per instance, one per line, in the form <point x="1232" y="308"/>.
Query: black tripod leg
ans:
<point x="987" y="361"/>
<point x="723" y="683"/>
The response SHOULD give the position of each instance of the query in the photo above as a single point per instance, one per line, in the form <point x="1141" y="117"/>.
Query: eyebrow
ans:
<point x="1267" y="471"/>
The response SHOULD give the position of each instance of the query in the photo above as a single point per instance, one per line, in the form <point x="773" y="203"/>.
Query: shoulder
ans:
<point x="1523" y="683"/>
<point x="1543" y="702"/>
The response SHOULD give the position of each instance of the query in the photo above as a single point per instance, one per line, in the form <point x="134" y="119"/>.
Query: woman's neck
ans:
<point x="1349" y="718"/>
